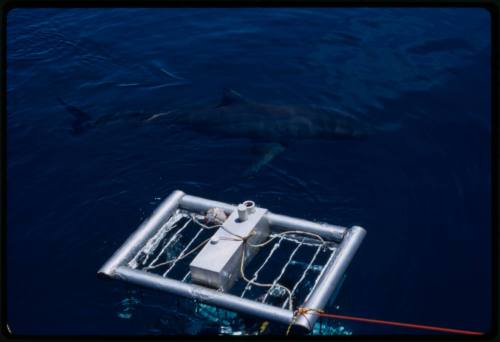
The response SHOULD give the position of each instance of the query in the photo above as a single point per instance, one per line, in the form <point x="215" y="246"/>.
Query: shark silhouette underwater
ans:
<point x="271" y="127"/>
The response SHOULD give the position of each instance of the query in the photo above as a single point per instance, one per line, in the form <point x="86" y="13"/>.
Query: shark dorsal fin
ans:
<point x="231" y="97"/>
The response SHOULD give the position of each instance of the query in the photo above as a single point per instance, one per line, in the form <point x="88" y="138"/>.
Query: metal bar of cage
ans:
<point x="145" y="231"/>
<point x="349" y="239"/>
<point x="280" y="222"/>
<point x="204" y="294"/>
<point x="329" y="280"/>
<point x="153" y="243"/>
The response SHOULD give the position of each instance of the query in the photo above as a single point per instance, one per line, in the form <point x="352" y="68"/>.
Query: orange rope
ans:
<point x="398" y="324"/>
<point x="321" y="313"/>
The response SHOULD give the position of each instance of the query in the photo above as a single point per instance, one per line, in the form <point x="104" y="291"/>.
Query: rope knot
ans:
<point x="245" y="238"/>
<point x="303" y="311"/>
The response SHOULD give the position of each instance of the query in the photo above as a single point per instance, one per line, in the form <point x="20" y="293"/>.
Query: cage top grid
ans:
<point x="176" y="251"/>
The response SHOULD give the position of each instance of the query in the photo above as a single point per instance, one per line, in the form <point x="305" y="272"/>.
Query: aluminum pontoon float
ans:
<point x="256" y="262"/>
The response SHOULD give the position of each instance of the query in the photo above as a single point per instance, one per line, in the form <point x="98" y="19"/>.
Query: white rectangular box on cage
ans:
<point x="218" y="263"/>
<point x="185" y="249"/>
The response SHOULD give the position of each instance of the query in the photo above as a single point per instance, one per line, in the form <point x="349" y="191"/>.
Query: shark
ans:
<point x="271" y="127"/>
<point x="238" y="117"/>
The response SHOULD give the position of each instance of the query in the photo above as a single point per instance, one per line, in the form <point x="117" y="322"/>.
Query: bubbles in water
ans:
<point x="128" y="306"/>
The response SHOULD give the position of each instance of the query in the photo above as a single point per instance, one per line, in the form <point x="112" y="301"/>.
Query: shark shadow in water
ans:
<point x="271" y="127"/>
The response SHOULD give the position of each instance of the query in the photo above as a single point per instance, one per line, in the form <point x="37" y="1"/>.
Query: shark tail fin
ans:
<point x="61" y="101"/>
<point x="75" y="111"/>
<point x="81" y="120"/>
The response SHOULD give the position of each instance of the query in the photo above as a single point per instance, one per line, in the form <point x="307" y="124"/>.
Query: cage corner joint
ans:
<point x="222" y="242"/>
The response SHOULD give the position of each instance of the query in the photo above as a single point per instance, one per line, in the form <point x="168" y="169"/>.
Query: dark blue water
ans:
<point x="421" y="186"/>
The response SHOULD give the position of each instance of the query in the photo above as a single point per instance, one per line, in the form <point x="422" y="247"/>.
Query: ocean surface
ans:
<point x="420" y="185"/>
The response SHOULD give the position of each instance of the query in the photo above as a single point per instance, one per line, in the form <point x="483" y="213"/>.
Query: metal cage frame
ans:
<point x="348" y="239"/>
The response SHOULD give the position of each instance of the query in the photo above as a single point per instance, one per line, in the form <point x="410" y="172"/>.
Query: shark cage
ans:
<point x="240" y="258"/>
